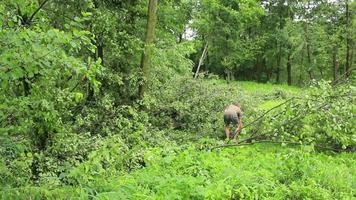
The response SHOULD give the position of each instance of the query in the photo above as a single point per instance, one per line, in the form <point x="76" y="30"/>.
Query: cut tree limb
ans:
<point x="320" y="106"/>
<point x="264" y="114"/>
<point x="271" y="141"/>
<point x="342" y="78"/>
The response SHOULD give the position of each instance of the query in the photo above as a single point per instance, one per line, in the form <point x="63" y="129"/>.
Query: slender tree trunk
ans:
<point x="265" y="70"/>
<point x="279" y="58"/>
<point x="278" y="70"/>
<point x="201" y="60"/>
<point x="348" y="41"/>
<point x="335" y="64"/>
<point x="310" y="72"/>
<point x="309" y="60"/>
<point x="228" y="75"/>
<point x="289" y="70"/>
<point x="321" y="71"/>
<point x="259" y="68"/>
<point x="301" y="69"/>
<point x="150" y="34"/>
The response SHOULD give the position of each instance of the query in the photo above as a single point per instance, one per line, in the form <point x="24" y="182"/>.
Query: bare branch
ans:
<point x="201" y="60"/>
<point x="36" y="11"/>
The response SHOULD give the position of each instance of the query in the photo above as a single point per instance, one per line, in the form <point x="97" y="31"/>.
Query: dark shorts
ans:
<point x="231" y="119"/>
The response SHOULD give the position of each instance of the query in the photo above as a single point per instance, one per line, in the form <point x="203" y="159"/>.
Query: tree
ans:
<point x="147" y="53"/>
<point x="348" y="39"/>
<point x="228" y="28"/>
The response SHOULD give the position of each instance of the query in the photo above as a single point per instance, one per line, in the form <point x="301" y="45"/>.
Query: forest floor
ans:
<point x="261" y="171"/>
<point x="258" y="171"/>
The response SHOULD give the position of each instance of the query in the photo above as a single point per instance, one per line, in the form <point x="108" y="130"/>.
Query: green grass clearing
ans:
<point x="254" y="87"/>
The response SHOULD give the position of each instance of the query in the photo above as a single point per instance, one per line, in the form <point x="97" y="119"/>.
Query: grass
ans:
<point x="260" y="171"/>
<point x="266" y="87"/>
<point x="262" y="88"/>
<point x="270" y="104"/>
<point x="277" y="92"/>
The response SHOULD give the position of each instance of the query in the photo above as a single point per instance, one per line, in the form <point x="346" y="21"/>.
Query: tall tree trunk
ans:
<point x="150" y="34"/>
<point x="301" y="69"/>
<point x="348" y="41"/>
<point x="279" y="58"/>
<point x="278" y="70"/>
<point x="335" y="64"/>
<point x="310" y="72"/>
<point x="265" y="70"/>
<point x="289" y="70"/>
<point x="259" y="68"/>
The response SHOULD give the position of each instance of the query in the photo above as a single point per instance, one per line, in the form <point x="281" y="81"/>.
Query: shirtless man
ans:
<point x="233" y="116"/>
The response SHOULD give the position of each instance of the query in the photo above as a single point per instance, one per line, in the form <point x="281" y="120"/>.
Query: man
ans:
<point x="233" y="116"/>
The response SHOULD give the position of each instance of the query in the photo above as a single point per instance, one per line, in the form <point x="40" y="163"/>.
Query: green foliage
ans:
<point x="71" y="126"/>
<point x="228" y="48"/>
<point x="261" y="171"/>
<point x="323" y="116"/>
<point x="44" y="74"/>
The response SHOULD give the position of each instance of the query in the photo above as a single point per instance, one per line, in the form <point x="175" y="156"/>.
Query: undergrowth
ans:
<point x="164" y="151"/>
<point x="191" y="171"/>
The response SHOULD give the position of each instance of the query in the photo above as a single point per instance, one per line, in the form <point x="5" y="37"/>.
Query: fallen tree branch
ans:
<point x="263" y="115"/>
<point x="283" y="124"/>
<point x="272" y="141"/>
<point x="341" y="78"/>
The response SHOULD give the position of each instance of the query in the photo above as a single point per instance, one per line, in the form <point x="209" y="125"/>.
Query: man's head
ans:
<point x="237" y="104"/>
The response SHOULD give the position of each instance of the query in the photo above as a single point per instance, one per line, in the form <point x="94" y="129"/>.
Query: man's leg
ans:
<point x="237" y="131"/>
<point x="227" y="131"/>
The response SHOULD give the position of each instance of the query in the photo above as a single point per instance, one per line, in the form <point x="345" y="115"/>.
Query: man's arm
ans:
<point x="240" y="124"/>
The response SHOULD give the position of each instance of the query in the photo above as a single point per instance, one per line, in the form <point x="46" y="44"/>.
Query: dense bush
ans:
<point x="42" y="79"/>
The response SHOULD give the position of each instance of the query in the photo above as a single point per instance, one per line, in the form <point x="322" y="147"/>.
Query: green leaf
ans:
<point x="78" y="96"/>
